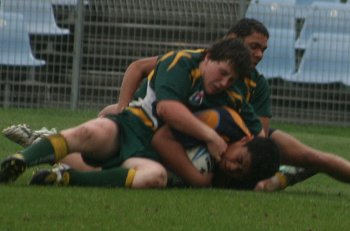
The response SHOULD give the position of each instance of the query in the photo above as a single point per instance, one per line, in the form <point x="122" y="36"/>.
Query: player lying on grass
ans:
<point x="308" y="161"/>
<point x="255" y="35"/>
<point x="203" y="80"/>
<point x="246" y="159"/>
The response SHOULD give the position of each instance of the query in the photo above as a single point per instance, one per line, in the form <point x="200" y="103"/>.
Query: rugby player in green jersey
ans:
<point x="182" y="82"/>
<point x="257" y="92"/>
<point x="307" y="161"/>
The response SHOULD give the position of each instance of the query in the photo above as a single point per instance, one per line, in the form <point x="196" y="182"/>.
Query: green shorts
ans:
<point x="134" y="141"/>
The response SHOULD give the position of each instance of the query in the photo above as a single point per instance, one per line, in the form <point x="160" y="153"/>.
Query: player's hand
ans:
<point x="216" y="146"/>
<point x="271" y="184"/>
<point x="110" y="109"/>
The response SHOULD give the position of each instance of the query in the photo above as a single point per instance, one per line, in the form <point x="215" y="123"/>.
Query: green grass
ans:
<point x="319" y="203"/>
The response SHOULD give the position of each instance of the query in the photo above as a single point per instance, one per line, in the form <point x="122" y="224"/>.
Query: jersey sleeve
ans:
<point x="250" y="117"/>
<point x="225" y="121"/>
<point x="239" y="103"/>
<point x="260" y="99"/>
<point x="171" y="81"/>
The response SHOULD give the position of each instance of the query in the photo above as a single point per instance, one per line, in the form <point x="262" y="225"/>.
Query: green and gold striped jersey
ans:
<point x="177" y="77"/>
<point x="256" y="91"/>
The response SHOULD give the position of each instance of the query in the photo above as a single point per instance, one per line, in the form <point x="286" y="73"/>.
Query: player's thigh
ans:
<point x="75" y="161"/>
<point x="149" y="173"/>
<point x="293" y="151"/>
<point x="95" y="136"/>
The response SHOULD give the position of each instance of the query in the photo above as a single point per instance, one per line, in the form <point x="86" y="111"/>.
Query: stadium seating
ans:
<point x="38" y="16"/>
<point x="274" y="14"/>
<point x="326" y="60"/>
<point x="15" y="47"/>
<point x="64" y="2"/>
<point x="68" y="2"/>
<point x="279" y="58"/>
<point x="309" y="2"/>
<point x="324" y="18"/>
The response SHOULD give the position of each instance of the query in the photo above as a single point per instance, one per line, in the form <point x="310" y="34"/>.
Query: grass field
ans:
<point x="319" y="203"/>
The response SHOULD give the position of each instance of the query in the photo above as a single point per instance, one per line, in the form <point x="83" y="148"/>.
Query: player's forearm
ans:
<point x="177" y="116"/>
<point x="265" y="122"/>
<point x="133" y="76"/>
<point x="175" y="158"/>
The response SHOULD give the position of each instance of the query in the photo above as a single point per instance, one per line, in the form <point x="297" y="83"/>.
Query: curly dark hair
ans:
<point x="264" y="164"/>
<point x="247" y="26"/>
<point x="265" y="158"/>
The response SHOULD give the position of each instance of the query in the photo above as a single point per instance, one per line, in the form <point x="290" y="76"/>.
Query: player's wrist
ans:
<point x="282" y="180"/>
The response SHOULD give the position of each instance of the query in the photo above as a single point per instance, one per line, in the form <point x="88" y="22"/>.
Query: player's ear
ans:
<point x="206" y="58"/>
<point x="246" y="139"/>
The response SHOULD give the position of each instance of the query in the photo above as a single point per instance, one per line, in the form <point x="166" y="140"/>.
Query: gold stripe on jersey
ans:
<point x="196" y="74"/>
<point x="239" y="121"/>
<point x="209" y="117"/>
<point x="195" y="51"/>
<point x="150" y="75"/>
<point x="181" y="54"/>
<point x="234" y="96"/>
<point x="250" y="84"/>
<point x="167" y="55"/>
<point x="142" y="116"/>
<point x="178" y="56"/>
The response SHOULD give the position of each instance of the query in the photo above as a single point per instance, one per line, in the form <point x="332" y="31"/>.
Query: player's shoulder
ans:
<point x="186" y="54"/>
<point x="257" y="77"/>
<point x="188" y="59"/>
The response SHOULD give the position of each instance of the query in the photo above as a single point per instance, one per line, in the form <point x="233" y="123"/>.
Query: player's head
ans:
<point x="265" y="158"/>
<point x="251" y="160"/>
<point x="254" y="35"/>
<point x="224" y="62"/>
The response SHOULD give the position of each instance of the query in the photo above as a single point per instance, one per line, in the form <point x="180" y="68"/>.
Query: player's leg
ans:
<point x="113" y="177"/>
<point x="298" y="154"/>
<point x="149" y="173"/>
<point x="75" y="161"/>
<point x="286" y="176"/>
<point x="96" y="136"/>
<point x="23" y="135"/>
<point x="293" y="152"/>
<point x="134" y="173"/>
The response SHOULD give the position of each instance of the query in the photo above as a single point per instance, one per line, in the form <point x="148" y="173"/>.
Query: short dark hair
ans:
<point x="265" y="161"/>
<point x="265" y="158"/>
<point x="246" y="27"/>
<point x="234" y="52"/>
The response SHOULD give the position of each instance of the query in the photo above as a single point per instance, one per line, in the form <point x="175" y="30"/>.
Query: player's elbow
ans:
<point x="163" y="109"/>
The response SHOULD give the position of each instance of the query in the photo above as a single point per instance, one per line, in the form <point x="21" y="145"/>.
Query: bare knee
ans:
<point x="149" y="174"/>
<point x="152" y="178"/>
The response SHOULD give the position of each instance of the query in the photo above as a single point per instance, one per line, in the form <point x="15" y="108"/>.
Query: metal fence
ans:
<point x="80" y="63"/>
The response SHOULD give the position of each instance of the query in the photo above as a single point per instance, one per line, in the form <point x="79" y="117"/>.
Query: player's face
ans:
<point x="236" y="161"/>
<point x="257" y="44"/>
<point x="218" y="75"/>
